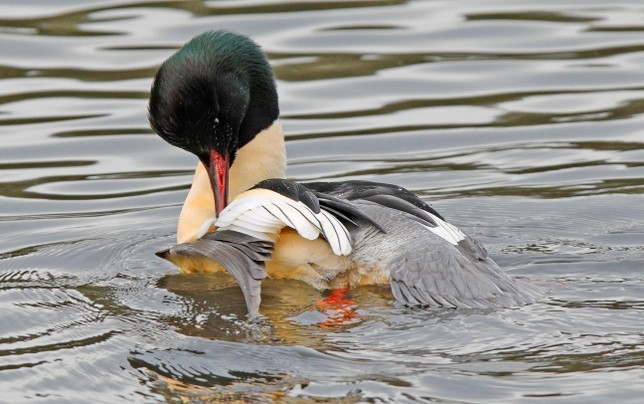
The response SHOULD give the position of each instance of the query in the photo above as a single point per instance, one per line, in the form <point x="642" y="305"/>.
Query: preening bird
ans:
<point x="216" y="98"/>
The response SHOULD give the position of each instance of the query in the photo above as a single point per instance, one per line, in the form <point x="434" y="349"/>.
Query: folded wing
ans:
<point x="277" y="203"/>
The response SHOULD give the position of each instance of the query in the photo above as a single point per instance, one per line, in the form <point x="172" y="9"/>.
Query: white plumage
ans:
<point x="446" y="231"/>
<point x="263" y="217"/>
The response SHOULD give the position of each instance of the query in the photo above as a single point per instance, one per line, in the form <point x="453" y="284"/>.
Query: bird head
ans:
<point x="211" y="97"/>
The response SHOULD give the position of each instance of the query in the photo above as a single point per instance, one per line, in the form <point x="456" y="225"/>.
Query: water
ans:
<point x="521" y="122"/>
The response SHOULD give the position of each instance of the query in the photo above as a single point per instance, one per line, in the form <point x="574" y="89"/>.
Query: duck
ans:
<point x="216" y="98"/>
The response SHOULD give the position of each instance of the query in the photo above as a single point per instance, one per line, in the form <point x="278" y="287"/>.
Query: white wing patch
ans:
<point x="446" y="231"/>
<point x="263" y="215"/>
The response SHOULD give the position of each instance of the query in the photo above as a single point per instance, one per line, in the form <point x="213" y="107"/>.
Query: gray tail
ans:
<point x="447" y="278"/>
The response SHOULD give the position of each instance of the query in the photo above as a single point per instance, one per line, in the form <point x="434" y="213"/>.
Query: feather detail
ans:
<point x="446" y="231"/>
<point x="262" y="213"/>
<point x="335" y="233"/>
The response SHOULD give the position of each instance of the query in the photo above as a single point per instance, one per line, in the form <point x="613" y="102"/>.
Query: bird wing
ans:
<point x="396" y="198"/>
<point x="316" y="200"/>
<point x="445" y="277"/>
<point x="262" y="213"/>
<point x="242" y="255"/>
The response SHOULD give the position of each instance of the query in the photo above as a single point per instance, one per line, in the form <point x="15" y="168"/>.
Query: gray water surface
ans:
<point x="521" y="122"/>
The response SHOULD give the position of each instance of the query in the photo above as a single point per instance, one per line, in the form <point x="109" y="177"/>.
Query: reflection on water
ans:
<point x="520" y="122"/>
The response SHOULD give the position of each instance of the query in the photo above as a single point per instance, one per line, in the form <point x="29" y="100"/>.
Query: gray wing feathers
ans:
<point x="446" y="278"/>
<point x="241" y="255"/>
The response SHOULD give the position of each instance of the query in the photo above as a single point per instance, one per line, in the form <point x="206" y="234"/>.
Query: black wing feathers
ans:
<point x="314" y="200"/>
<point x="345" y="208"/>
<point x="394" y="202"/>
<point x="292" y="190"/>
<point x="335" y="198"/>
<point x="389" y="195"/>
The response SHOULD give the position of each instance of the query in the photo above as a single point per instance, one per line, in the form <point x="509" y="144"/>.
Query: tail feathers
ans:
<point x="445" y="278"/>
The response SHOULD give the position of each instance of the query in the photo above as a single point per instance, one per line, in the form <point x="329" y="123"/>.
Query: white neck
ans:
<point x="262" y="158"/>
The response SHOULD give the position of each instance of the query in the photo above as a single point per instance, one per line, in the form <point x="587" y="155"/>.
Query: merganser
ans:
<point x="216" y="98"/>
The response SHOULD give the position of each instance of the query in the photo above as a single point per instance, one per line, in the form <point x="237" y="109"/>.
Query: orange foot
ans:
<point x="339" y="311"/>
